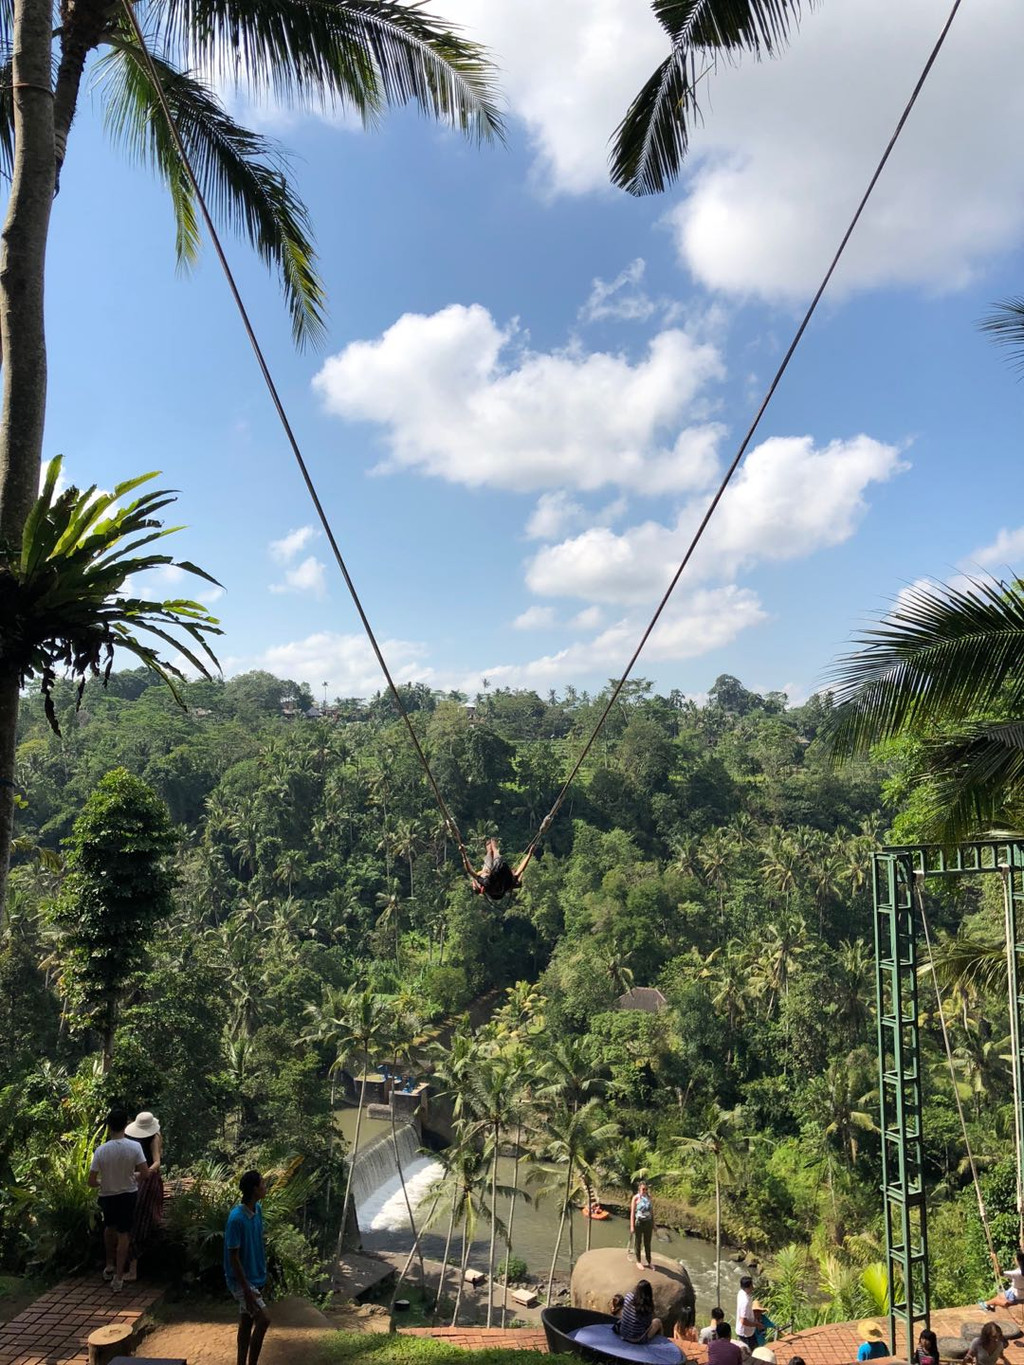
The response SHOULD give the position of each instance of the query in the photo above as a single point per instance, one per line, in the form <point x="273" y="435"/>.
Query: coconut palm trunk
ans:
<point x="352" y="1161"/>
<point x="494" y="1224"/>
<point x="718" y="1231"/>
<point x="409" y="1260"/>
<point x="405" y="1192"/>
<point x="447" y="1250"/>
<point x="558" y="1244"/>
<point x="511" y="1219"/>
<point x="22" y="334"/>
<point x="465" y="1258"/>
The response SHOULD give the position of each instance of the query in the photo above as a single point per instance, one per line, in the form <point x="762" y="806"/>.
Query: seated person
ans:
<point x="987" y="1347"/>
<point x="684" y="1331"/>
<point x="495" y="879"/>
<point x="615" y="1308"/>
<point x="707" y="1334"/>
<point x="927" y="1352"/>
<point x="638" y="1323"/>
<point x="723" y="1350"/>
<point x="1014" y="1292"/>
<point x="872" y="1340"/>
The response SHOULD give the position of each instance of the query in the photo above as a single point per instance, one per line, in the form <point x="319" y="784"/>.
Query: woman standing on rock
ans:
<point x="641" y="1224"/>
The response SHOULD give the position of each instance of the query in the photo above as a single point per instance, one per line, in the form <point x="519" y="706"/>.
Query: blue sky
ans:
<point x="531" y="381"/>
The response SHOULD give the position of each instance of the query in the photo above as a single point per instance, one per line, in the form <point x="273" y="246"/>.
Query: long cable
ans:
<point x="275" y="397"/>
<point x="919" y="900"/>
<point x="769" y="394"/>
<point x="698" y="534"/>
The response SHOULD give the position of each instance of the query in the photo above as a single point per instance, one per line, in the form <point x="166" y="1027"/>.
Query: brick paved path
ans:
<point x="480" y="1338"/>
<point x="53" y="1330"/>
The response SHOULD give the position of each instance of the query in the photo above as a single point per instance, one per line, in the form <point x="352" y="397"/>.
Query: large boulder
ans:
<point x="606" y="1271"/>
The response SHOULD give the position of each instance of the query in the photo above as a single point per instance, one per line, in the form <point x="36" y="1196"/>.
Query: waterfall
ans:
<point x="376" y="1188"/>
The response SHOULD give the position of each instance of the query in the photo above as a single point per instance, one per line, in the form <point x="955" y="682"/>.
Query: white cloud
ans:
<point x="787" y="145"/>
<point x="460" y="400"/>
<point x="309" y="576"/>
<point x="702" y="621"/>
<point x="587" y="619"/>
<point x="535" y="618"/>
<point x="346" y="662"/>
<point x="1005" y="552"/>
<point x="623" y="299"/>
<point x="553" y="515"/>
<point x="789" y="500"/>
<point x="293" y="543"/>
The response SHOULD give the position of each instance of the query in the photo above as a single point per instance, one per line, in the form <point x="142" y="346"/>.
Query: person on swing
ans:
<point x="495" y="879"/>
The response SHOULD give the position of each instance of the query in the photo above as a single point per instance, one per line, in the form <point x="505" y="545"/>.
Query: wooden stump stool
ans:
<point x="116" y="1339"/>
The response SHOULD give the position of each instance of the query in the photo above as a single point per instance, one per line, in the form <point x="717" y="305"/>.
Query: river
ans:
<point x="384" y="1224"/>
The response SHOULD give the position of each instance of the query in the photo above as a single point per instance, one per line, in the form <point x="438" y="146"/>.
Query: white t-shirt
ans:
<point x="707" y="1335"/>
<point x="116" y="1162"/>
<point x="1016" y="1278"/>
<point x="745" y="1323"/>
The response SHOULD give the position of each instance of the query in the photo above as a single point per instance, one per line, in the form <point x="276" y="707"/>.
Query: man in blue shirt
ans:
<point x="245" y="1266"/>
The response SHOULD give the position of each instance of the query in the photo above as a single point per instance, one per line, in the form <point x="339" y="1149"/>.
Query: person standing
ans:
<point x="746" y="1319"/>
<point x="641" y="1224"/>
<point x="245" y="1266"/>
<point x="114" y="1170"/>
<point x="149" y="1206"/>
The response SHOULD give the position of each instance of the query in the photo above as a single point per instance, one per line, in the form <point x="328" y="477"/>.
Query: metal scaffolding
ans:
<point x="897" y="873"/>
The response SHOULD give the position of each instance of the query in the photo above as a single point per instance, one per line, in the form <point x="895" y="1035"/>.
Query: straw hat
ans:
<point x="870" y="1330"/>
<point x="146" y="1125"/>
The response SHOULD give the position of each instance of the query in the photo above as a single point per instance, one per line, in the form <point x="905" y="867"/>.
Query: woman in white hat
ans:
<point x="149" y="1206"/>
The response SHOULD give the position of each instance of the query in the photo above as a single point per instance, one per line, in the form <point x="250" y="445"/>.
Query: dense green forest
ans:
<point x="306" y="907"/>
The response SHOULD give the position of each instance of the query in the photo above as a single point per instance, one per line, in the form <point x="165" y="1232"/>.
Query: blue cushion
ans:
<point x="601" y="1336"/>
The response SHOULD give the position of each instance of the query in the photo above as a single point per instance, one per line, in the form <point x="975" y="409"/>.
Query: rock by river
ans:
<point x="605" y="1271"/>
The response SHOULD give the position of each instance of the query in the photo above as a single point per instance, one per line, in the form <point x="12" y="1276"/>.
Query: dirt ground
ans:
<point x="207" y="1336"/>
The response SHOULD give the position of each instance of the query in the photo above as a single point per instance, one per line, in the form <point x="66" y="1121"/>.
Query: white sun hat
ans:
<point x="145" y="1125"/>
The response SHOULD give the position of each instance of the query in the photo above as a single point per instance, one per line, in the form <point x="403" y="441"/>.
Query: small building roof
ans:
<point x="647" y="998"/>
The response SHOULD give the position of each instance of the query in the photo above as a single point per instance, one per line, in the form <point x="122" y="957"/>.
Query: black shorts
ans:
<point x="118" y="1210"/>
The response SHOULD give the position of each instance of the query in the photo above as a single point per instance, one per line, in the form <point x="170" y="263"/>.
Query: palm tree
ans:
<point x="354" y="1024"/>
<point x="360" y="54"/>
<point x="649" y="144"/>
<point x="946" y="668"/>
<point x="62" y="605"/>
<point x="492" y="1101"/>
<point x="718" y="1142"/>
<point x="575" y="1139"/>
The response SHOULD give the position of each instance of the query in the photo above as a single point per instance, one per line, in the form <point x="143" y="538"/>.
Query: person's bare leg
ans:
<point x="259" y="1331"/>
<point x="654" y="1330"/>
<point x="244" y="1333"/>
<point x="110" y="1246"/>
<point x="123" y="1241"/>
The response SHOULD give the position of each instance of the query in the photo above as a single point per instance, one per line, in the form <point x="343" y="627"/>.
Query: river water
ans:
<point x="384" y="1222"/>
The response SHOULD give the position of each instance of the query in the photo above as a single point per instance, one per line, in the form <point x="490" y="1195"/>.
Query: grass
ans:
<point x="379" y="1348"/>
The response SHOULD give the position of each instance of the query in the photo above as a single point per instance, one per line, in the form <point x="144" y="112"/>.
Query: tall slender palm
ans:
<point x="574" y="1139"/>
<point x="718" y="1143"/>
<point x="354" y="1024"/>
<point x="492" y="1097"/>
<point x="361" y="54"/>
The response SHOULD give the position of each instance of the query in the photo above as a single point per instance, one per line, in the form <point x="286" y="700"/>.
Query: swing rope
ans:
<point x="918" y="895"/>
<point x="744" y="444"/>
<point x="286" y="425"/>
<point x="282" y="414"/>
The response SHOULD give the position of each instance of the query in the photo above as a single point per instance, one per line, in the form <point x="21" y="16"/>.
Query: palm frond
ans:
<point x="60" y="602"/>
<point x="1005" y="325"/>
<point x="357" y="54"/>
<point x="976" y="779"/>
<point x="650" y="143"/>
<point x="241" y="174"/>
<point x="944" y="655"/>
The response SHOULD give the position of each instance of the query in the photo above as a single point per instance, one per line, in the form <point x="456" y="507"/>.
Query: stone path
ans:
<point x="54" y="1329"/>
<point x="481" y="1338"/>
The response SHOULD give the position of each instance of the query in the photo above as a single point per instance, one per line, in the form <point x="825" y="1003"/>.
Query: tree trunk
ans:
<point x="405" y="1192"/>
<point x="447" y="1249"/>
<point x="465" y="1259"/>
<point x="590" y="1202"/>
<point x="22" y="333"/>
<point x="568" y="1193"/>
<point x="494" y="1227"/>
<point x="409" y="1259"/>
<point x="511" y="1217"/>
<point x="554" y="1258"/>
<point x="352" y="1162"/>
<point x="718" y="1235"/>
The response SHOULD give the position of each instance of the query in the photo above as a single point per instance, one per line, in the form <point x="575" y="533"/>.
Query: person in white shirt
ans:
<point x="115" y="1168"/>
<point x="746" y="1322"/>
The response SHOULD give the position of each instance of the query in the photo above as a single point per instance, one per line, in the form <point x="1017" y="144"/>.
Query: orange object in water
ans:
<point x="598" y="1214"/>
